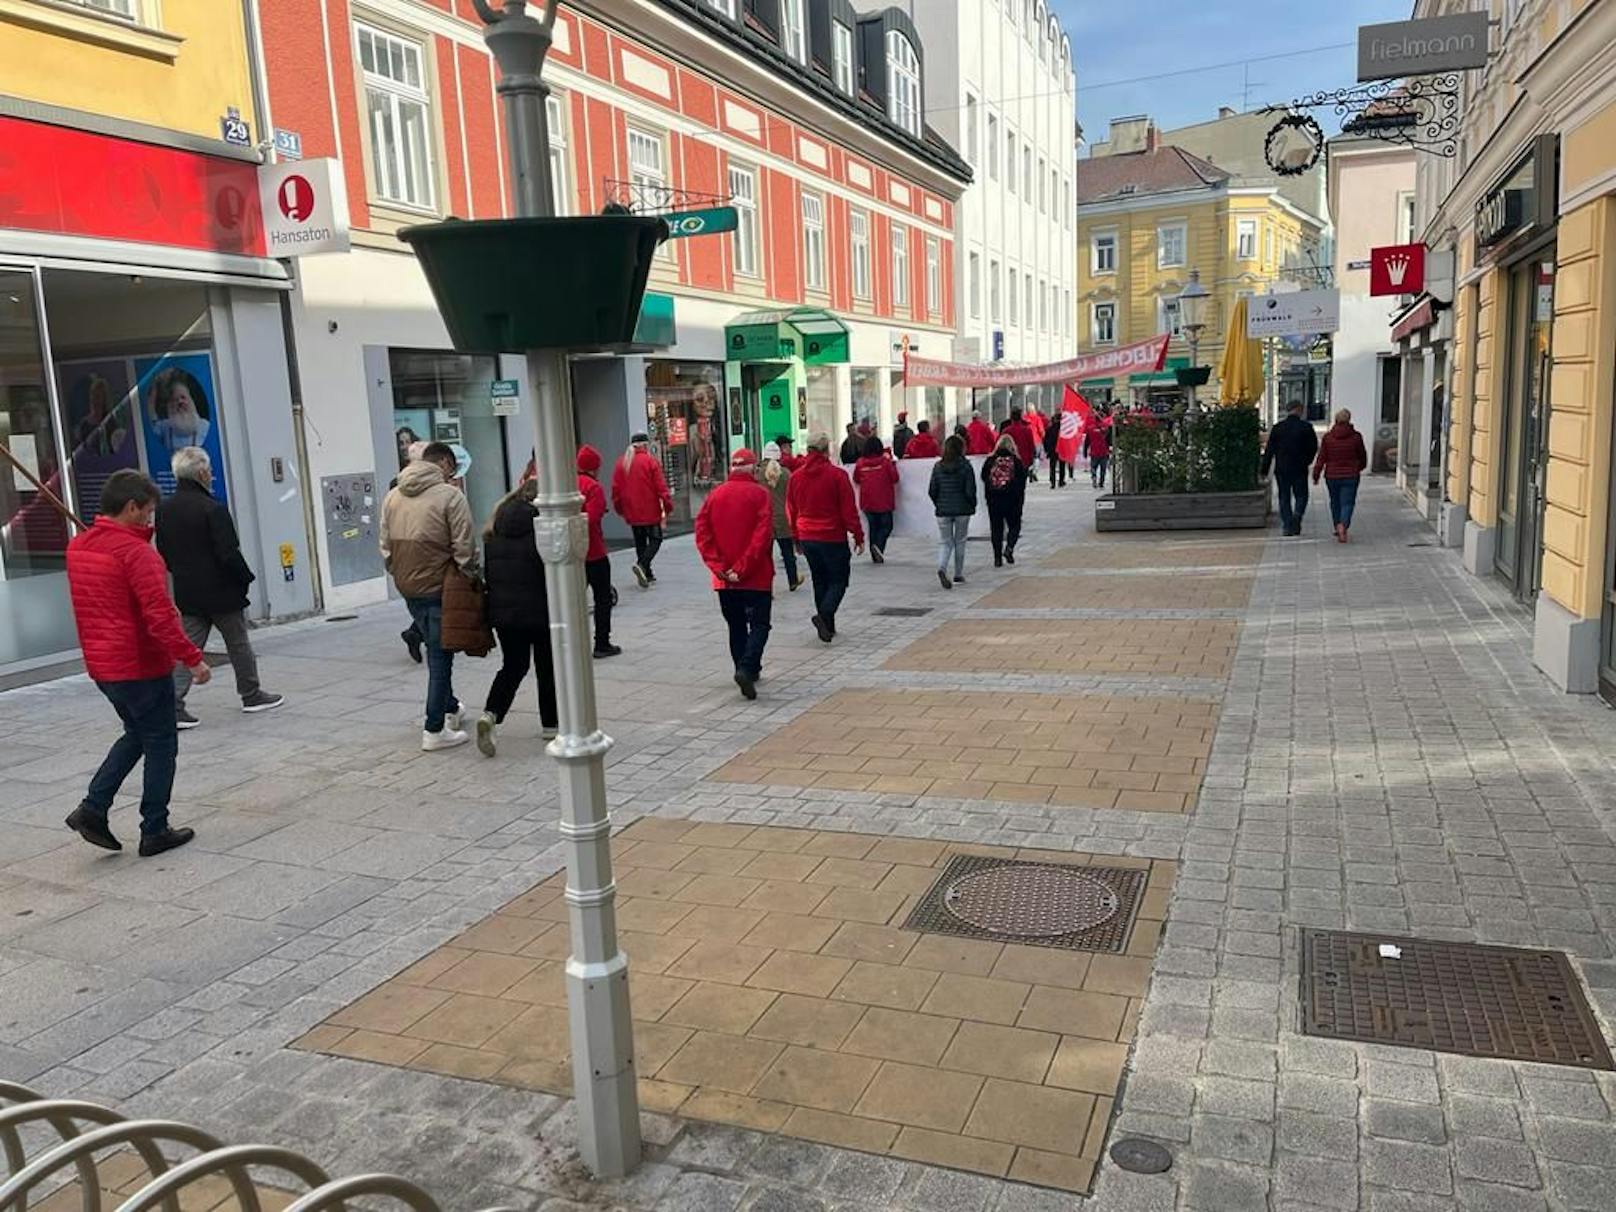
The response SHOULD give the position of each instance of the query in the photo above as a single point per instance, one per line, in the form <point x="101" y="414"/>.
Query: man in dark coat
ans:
<point x="198" y="542"/>
<point x="1292" y="443"/>
<point x="901" y="433"/>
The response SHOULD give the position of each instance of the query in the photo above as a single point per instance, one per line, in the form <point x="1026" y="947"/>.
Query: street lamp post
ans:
<point x="1192" y="319"/>
<point x="597" y="971"/>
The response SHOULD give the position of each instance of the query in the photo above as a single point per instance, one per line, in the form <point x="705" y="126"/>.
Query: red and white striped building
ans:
<point x="803" y="114"/>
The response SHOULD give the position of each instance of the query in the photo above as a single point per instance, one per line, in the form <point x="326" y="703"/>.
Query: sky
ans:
<point x="1122" y="41"/>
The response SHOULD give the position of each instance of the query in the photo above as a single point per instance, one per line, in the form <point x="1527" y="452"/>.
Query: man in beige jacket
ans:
<point x="426" y="530"/>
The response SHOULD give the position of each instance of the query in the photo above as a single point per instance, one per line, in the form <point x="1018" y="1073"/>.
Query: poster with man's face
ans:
<point x="100" y="409"/>
<point x="179" y="408"/>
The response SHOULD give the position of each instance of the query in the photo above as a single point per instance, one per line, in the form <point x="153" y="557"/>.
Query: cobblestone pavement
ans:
<point x="1386" y="758"/>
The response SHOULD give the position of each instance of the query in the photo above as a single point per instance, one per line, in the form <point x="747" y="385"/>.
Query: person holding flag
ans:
<point x="1074" y="416"/>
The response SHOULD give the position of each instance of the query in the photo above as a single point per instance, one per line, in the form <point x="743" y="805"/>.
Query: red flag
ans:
<point x="1075" y="413"/>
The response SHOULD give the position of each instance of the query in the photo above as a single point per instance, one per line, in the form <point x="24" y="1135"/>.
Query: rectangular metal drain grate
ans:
<point x="1040" y="904"/>
<point x="1450" y="997"/>
<point x="903" y="612"/>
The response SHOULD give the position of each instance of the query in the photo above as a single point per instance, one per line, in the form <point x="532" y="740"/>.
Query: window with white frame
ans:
<point x="841" y="56"/>
<point x="1170" y="241"/>
<point x="743" y="197"/>
<point x="1015" y="297"/>
<point x="1043" y="306"/>
<point x="1405" y="218"/>
<point x="1027" y="186"/>
<point x="971" y="148"/>
<point x="934" y="277"/>
<point x="1066" y="315"/>
<point x="995" y="303"/>
<point x="1031" y="316"/>
<point x="647" y="169"/>
<point x="900" y="266"/>
<point x="973" y="280"/>
<point x="903" y="82"/>
<point x="813" y="241"/>
<point x="1103" y="329"/>
<point x="1245" y="241"/>
<point x="1043" y="194"/>
<point x="793" y="29"/>
<point x="118" y="8"/>
<point x="1010" y="160"/>
<point x="993" y="147"/>
<point x="1167" y="316"/>
<point x="560" y="186"/>
<point x="859" y="226"/>
<point x="1268" y="245"/>
<point x="1066" y="200"/>
<point x="727" y="7"/>
<point x="1054" y="191"/>
<point x="398" y="112"/>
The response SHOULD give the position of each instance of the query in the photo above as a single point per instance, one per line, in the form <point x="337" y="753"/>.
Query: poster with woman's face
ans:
<point x="178" y="408"/>
<point x="100" y="410"/>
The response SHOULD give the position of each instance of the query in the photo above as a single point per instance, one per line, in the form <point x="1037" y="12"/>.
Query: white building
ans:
<point x="1001" y="88"/>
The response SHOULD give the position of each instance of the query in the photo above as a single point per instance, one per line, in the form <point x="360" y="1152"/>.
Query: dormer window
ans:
<point x="841" y="56"/>
<point x="727" y="7"/>
<point x="903" y="83"/>
<point x="794" y="33"/>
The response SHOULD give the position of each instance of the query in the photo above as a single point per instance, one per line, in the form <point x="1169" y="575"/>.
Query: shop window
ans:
<point x="823" y="401"/>
<point x="796" y="37"/>
<point x="934" y="278"/>
<point x="398" y="112"/>
<point x="560" y="184"/>
<point x="1245" y="244"/>
<point x="841" y="56"/>
<point x="1170" y="241"/>
<point x="743" y="197"/>
<point x="900" y="266"/>
<point x="1104" y="329"/>
<point x="813" y="241"/>
<point x="440" y="396"/>
<point x="903" y="83"/>
<point x="1391" y="389"/>
<point x="684" y="419"/>
<point x="866" y="398"/>
<point x="859" y="226"/>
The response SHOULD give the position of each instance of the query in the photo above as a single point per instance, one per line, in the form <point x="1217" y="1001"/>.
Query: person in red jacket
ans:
<point x="131" y="637"/>
<point x="1341" y="461"/>
<point x="597" y="564"/>
<point x="735" y="535"/>
<point x="788" y="460"/>
<point x="979" y="437"/>
<point x="641" y="498"/>
<point x="820" y="508"/>
<point x="1097" y="442"/>
<point x="923" y="445"/>
<point x="1020" y="433"/>
<point x="876" y="475"/>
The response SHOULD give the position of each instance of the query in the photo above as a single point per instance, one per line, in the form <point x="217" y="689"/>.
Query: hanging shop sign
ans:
<point x="1522" y="204"/>
<point x="1395" y="49"/>
<point x="1294" y="314"/>
<point x="305" y="206"/>
<point x="1140" y="357"/>
<point x="1294" y="144"/>
<point x="1398" y="269"/>
<point x="712" y="221"/>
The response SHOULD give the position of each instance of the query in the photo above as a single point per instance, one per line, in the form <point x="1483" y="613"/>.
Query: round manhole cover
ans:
<point x="1036" y="901"/>
<point x="1141" y="1156"/>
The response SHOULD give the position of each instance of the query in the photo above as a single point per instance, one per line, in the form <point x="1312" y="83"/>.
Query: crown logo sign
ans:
<point x="1396" y="268"/>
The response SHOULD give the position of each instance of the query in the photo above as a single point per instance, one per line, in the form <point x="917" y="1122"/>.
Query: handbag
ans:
<point x="465" y="615"/>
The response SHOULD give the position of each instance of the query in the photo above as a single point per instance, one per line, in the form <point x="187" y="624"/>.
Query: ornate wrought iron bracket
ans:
<point x="645" y="199"/>
<point x="1422" y="113"/>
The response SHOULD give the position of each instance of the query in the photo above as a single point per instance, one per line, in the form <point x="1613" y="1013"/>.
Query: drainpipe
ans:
<point x="257" y="70"/>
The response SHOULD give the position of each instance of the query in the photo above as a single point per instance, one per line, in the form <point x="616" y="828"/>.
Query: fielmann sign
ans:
<point x="1422" y="48"/>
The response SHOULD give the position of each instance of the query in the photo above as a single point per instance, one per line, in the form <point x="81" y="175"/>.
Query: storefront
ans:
<point x="685" y="420"/>
<point x="1422" y="333"/>
<point x="776" y="359"/>
<point x="134" y="322"/>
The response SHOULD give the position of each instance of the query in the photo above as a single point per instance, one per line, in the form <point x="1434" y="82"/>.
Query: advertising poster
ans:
<point x="179" y="408"/>
<point x="100" y="409"/>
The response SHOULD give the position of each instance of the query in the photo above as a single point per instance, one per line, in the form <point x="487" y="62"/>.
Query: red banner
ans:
<point x="1142" y="357"/>
<point x="1075" y="413"/>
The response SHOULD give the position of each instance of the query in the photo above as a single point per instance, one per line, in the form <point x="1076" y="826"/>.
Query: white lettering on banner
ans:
<point x="305" y="206"/>
<point x="1141" y="357"/>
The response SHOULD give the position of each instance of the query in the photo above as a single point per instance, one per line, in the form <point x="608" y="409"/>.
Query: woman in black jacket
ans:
<point x="953" y="491"/>
<point x="519" y="613"/>
<point x="1004" y="484"/>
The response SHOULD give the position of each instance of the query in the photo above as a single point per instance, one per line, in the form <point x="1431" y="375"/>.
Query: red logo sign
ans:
<point x="1397" y="270"/>
<point x="296" y="198"/>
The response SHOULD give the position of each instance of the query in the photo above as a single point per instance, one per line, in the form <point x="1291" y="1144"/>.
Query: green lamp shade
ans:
<point x="1193" y="376"/>
<point x="504" y="285"/>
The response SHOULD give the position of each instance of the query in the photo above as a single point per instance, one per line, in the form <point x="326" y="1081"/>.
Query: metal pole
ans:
<point x="597" y="970"/>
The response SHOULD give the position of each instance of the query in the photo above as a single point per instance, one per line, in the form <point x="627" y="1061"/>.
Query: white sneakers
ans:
<point x="486" y="724"/>
<point x="448" y="738"/>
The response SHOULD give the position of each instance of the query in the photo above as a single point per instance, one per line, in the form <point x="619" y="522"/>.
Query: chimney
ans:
<point x="1225" y="111"/>
<point x="1152" y="137"/>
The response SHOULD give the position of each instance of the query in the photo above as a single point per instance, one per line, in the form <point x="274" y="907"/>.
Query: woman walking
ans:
<point x="519" y="612"/>
<point x="1341" y="461"/>
<point x="1004" y="484"/>
<point x="774" y="476"/>
<point x="953" y="492"/>
<point x="876" y="475"/>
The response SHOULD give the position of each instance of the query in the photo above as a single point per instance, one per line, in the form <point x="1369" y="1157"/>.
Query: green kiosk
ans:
<point x="776" y="374"/>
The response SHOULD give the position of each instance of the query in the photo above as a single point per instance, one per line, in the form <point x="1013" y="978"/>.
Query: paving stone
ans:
<point x="696" y="1192"/>
<point x="1407" y="1167"/>
<point x="1471" y="1115"/>
<point x="1406" y="1121"/>
<point x="1235" y="1140"/>
<point x="1496" y="1161"/>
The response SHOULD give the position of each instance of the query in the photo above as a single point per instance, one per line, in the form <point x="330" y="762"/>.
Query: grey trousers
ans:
<point x="233" y="627"/>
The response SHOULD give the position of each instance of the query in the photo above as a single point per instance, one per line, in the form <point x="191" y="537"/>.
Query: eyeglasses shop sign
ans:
<point x="305" y="208"/>
<point x="1422" y="48"/>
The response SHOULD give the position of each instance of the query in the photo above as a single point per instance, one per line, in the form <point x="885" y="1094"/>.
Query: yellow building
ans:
<point x="1528" y="210"/>
<point x="134" y="275"/>
<point x="1145" y="220"/>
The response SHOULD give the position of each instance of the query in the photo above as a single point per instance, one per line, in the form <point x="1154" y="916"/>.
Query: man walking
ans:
<point x="131" y="637"/>
<point x="640" y="496"/>
<point x="901" y="433"/>
<point x="979" y="436"/>
<point x="735" y="535"/>
<point x="198" y="542"/>
<point x="822" y="513"/>
<point x="1292" y="444"/>
<point x="426" y="530"/>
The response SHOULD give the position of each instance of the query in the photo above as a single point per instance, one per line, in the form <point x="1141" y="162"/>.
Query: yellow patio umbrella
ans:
<point x="1240" y="373"/>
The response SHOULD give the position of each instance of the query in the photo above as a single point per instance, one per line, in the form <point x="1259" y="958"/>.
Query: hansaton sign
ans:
<point x="1397" y="270"/>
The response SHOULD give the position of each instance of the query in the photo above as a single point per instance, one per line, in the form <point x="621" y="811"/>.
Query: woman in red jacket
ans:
<point x="876" y="475"/>
<point x="1341" y="461"/>
<point x="597" y="563"/>
<point x="641" y="498"/>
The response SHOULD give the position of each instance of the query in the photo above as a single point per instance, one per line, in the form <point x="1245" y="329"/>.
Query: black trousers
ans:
<point x="521" y="649"/>
<point x="747" y="611"/>
<point x="788" y="557"/>
<point x="880" y="529"/>
<point x="647" y="542"/>
<point x="1004" y="526"/>
<point x="599" y="575"/>
<point x="1057" y="471"/>
<point x="831" y="567"/>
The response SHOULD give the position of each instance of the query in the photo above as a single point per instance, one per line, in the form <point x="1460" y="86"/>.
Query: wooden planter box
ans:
<point x="1183" y="511"/>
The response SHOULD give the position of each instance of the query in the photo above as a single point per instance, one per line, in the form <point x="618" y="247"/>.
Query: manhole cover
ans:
<point x="903" y="612"/>
<point x="1449" y="997"/>
<point x="1141" y="1156"/>
<point x="1031" y="900"/>
<point x="1043" y="904"/>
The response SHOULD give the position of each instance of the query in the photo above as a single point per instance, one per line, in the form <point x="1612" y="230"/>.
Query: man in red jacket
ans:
<point x="923" y="445"/>
<point x="735" y="535"/>
<point x="131" y="637"/>
<point x="822" y="513"/>
<point x="597" y="563"/>
<point x="641" y="498"/>
<point x="1021" y="434"/>
<point x="788" y="460"/>
<point x="979" y="439"/>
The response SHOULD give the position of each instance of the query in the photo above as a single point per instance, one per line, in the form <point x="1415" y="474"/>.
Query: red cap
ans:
<point x="588" y="458"/>
<point x="743" y="458"/>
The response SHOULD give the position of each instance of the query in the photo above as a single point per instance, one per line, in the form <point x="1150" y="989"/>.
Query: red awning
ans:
<point x="1422" y="316"/>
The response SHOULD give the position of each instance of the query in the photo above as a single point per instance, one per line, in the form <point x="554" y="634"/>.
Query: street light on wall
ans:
<point x="1192" y="302"/>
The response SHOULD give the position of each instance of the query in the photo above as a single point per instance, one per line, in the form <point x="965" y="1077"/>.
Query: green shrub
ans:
<point x="1219" y="450"/>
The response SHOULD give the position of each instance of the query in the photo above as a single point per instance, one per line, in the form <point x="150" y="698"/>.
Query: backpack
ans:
<point x="1002" y="474"/>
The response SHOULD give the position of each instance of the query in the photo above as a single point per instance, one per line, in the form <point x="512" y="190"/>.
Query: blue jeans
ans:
<point x="1343" y="497"/>
<point x="440" y="696"/>
<point x="747" y="612"/>
<point x="831" y="567"/>
<point x="951" y="536"/>
<point x="1293" y="498"/>
<point x="146" y="708"/>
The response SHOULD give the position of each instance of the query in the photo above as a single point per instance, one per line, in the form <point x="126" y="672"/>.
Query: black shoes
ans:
<point x="747" y="684"/>
<point x="1009" y="556"/>
<point x="412" y="641"/>
<point x="92" y="829"/>
<point x="876" y="556"/>
<point x="795" y="585"/>
<point x="960" y="580"/>
<point x="826" y="632"/>
<point x="602" y="651"/>
<point x="943" y="577"/>
<point x="153" y="844"/>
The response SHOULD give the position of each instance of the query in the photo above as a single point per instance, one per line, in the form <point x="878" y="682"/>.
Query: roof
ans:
<point x="1164" y="170"/>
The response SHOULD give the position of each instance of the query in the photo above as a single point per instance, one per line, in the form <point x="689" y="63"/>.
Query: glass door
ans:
<point x="1536" y="362"/>
<point x="36" y="617"/>
<point x="1506" y="555"/>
